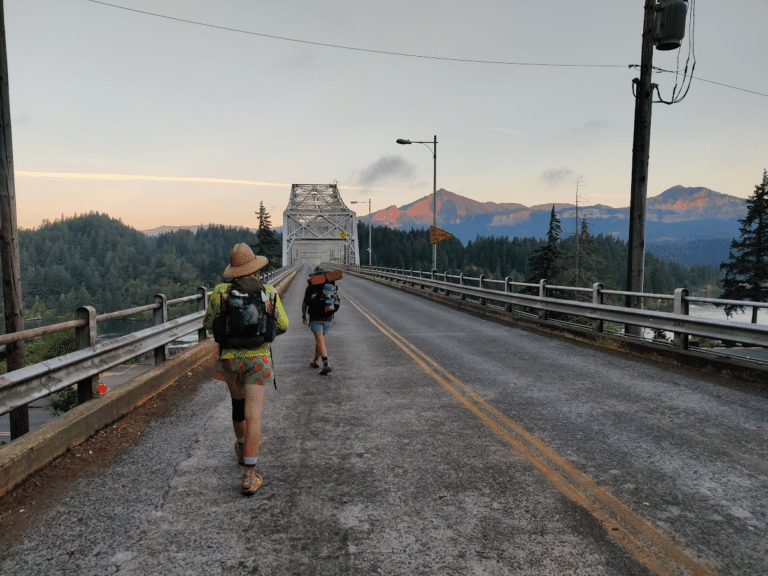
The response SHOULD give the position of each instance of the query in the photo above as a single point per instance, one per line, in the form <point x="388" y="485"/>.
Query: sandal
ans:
<point x="314" y="365"/>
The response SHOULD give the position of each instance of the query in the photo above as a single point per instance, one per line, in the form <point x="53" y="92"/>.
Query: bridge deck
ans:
<point x="440" y="444"/>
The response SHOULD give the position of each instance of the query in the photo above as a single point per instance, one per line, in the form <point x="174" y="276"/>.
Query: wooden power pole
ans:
<point x="9" y="236"/>
<point x="640" y="156"/>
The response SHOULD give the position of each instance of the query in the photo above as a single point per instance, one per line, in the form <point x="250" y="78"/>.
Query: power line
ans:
<point x="656" y="69"/>
<point x="353" y="48"/>
<point x="717" y="83"/>
<point x="401" y="54"/>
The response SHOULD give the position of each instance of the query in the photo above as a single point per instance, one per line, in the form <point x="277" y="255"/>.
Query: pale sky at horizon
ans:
<point x="157" y="121"/>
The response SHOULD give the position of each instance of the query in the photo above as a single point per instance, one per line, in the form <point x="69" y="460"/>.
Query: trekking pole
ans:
<point x="274" y="373"/>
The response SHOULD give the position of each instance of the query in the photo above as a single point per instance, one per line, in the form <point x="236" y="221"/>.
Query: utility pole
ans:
<point x="576" y="280"/>
<point x="640" y="156"/>
<point x="9" y="237"/>
<point x="434" y="201"/>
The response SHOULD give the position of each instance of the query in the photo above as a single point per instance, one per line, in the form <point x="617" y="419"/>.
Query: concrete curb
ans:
<point x="733" y="368"/>
<point x="34" y="450"/>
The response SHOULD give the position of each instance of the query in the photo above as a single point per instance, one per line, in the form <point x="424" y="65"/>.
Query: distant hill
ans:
<point x="155" y="232"/>
<point x="98" y="261"/>
<point x="691" y="225"/>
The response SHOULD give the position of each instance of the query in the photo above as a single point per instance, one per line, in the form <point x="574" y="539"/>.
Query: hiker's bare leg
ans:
<point x="254" y="400"/>
<point x="250" y="428"/>
<point x="320" y="351"/>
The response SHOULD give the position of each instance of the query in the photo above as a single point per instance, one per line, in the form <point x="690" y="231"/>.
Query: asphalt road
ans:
<point x="441" y="443"/>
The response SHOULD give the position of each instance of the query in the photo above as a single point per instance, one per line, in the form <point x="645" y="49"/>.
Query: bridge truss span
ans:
<point x="318" y="227"/>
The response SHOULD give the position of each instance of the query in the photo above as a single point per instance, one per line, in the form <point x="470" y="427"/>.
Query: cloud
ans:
<point x="385" y="168"/>
<point x="593" y="126"/>
<point x="87" y="176"/>
<point x="555" y="176"/>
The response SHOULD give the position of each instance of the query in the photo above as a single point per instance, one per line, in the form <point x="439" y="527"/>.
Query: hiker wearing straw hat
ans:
<point x="246" y="363"/>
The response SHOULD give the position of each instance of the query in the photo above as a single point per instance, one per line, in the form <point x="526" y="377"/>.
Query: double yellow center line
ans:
<point x="635" y="534"/>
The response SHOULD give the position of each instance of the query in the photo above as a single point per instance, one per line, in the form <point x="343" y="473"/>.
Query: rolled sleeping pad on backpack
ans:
<point x="323" y="277"/>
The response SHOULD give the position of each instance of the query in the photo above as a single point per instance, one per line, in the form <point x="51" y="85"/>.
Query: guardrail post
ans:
<point x="160" y="317"/>
<point x="433" y="277"/>
<point x="597" y="300"/>
<point x="462" y="296"/>
<point x="543" y="294"/>
<point x="480" y="284"/>
<point x="681" y="307"/>
<point x="508" y="288"/>
<point x="202" y="304"/>
<point x="85" y="336"/>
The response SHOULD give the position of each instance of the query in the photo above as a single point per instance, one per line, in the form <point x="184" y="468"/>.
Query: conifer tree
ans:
<point x="269" y="245"/>
<point x="746" y="271"/>
<point x="582" y="262"/>
<point x="265" y="220"/>
<point x="546" y="261"/>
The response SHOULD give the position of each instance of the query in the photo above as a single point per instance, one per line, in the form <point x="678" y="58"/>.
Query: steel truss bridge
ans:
<point x="318" y="227"/>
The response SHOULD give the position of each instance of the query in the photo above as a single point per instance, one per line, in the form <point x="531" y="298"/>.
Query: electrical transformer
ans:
<point x="669" y="24"/>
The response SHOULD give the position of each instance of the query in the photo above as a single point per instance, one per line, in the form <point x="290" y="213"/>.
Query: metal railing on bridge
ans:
<point x="544" y="301"/>
<point x="82" y="367"/>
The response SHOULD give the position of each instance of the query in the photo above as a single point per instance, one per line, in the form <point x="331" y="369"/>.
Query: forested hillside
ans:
<point x="602" y="259"/>
<point x="98" y="261"/>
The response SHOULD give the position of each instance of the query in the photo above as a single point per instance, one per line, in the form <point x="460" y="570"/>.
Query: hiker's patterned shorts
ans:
<point x="246" y="370"/>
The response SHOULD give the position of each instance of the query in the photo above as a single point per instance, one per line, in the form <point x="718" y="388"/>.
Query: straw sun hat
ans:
<point x="243" y="262"/>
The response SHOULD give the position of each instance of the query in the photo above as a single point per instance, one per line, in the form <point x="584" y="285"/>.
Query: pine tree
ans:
<point x="265" y="221"/>
<point x="269" y="245"/>
<point x="546" y="261"/>
<point x="583" y="260"/>
<point x="746" y="271"/>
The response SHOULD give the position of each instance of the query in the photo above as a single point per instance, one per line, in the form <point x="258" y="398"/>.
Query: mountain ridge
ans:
<point x="691" y="224"/>
<point x="675" y="204"/>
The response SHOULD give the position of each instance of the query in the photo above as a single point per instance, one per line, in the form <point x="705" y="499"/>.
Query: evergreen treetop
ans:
<point x="746" y="271"/>
<point x="269" y="244"/>
<point x="546" y="261"/>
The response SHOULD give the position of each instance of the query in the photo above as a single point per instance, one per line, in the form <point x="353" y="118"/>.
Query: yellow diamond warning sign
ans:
<point x="436" y="235"/>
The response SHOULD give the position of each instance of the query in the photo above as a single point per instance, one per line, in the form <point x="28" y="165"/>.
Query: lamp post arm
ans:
<point x="434" y="186"/>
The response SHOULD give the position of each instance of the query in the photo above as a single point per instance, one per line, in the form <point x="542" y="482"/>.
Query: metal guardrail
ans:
<point x="82" y="367"/>
<point x="33" y="382"/>
<point x="677" y="322"/>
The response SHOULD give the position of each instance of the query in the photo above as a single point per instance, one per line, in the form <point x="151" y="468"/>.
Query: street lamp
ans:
<point x="370" y="229"/>
<point x="434" y="188"/>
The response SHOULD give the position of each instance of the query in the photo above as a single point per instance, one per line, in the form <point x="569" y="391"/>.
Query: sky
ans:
<point x="199" y="111"/>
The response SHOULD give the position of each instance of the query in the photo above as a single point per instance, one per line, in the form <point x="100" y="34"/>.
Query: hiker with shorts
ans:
<point x="245" y="362"/>
<point x="320" y="318"/>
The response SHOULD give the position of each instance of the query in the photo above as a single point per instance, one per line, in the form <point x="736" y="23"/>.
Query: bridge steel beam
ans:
<point x="319" y="227"/>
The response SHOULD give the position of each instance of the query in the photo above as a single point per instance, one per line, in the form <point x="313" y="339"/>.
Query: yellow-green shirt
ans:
<point x="214" y="309"/>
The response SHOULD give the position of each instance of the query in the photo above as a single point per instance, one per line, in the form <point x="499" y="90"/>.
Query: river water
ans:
<point x="111" y="329"/>
<point x="712" y="312"/>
